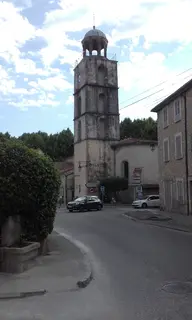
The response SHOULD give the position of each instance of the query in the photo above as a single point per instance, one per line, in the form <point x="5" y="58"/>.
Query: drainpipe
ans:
<point x="114" y="161"/>
<point x="186" y="154"/>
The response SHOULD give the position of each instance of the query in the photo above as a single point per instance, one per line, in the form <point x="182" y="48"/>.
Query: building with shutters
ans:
<point x="175" y="150"/>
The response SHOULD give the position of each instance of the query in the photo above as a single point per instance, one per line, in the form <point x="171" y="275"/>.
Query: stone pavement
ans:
<point x="57" y="272"/>
<point x="161" y="218"/>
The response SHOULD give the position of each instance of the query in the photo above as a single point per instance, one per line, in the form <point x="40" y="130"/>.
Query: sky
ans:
<point x="41" y="42"/>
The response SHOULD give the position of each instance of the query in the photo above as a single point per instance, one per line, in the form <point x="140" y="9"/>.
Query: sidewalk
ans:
<point x="161" y="218"/>
<point x="57" y="272"/>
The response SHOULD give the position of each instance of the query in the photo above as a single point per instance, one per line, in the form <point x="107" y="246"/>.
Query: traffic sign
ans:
<point x="102" y="188"/>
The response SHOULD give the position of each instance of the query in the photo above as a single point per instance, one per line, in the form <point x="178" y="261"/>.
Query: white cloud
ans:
<point x="15" y="30"/>
<point x="6" y="84"/>
<point x="147" y="74"/>
<point x="28" y="66"/>
<point x="25" y="103"/>
<point x="139" y="70"/>
<point x="151" y="19"/>
<point x="70" y="100"/>
<point x="52" y="83"/>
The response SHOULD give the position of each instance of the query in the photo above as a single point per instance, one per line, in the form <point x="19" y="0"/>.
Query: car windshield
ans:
<point x="80" y="199"/>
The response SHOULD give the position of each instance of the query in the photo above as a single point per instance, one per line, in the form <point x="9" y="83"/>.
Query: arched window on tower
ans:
<point x="79" y="131"/>
<point x="101" y="75"/>
<point x="101" y="106"/>
<point x="125" y="169"/>
<point x="78" y="107"/>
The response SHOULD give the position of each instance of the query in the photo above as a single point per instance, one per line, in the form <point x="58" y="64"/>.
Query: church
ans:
<point x="98" y="151"/>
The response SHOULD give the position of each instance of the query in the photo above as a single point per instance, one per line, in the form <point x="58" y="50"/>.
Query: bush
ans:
<point x="29" y="187"/>
<point x="114" y="184"/>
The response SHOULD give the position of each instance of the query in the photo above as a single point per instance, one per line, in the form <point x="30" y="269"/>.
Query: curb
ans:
<point x="83" y="283"/>
<point x="21" y="295"/>
<point x="157" y="225"/>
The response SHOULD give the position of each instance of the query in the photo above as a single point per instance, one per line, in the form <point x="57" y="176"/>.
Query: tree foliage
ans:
<point x="29" y="187"/>
<point x="60" y="145"/>
<point x="114" y="184"/>
<point x="145" y="129"/>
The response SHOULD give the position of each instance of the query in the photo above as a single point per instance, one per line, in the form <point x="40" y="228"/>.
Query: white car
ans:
<point x="150" y="201"/>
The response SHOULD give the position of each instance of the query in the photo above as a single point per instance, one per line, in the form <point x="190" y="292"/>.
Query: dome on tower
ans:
<point x="95" y="33"/>
<point x="95" y="40"/>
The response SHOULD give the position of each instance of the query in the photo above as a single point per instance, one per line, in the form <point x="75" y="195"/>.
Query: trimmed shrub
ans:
<point x="29" y="187"/>
<point x="114" y="184"/>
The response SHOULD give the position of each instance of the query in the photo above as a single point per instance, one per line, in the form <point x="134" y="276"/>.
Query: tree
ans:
<point x="33" y="140"/>
<point x="29" y="185"/>
<point x="4" y="136"/>
<point x="58" y="146"/>
<point x="145" y="129"/>
<point x="114" y="184"/>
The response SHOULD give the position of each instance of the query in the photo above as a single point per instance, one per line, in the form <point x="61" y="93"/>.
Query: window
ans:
<point x="177" y="110"/>
<point x="154" y="198"/>
<point x="178" y="146"/>
<point x="180" y="190"/>
<point x="125" y="169"/>
<point x="79" y="106"/>
<point x="101" y="75"/>
<point x="78" y="79"/>
<point x="165" y="117"/>
<point x="166" y="150"/>
<point x="101" y="103"/>
<point x="79" y="131"/>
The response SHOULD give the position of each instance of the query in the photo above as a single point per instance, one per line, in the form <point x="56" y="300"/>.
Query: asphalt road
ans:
<point x="132" y="264"/>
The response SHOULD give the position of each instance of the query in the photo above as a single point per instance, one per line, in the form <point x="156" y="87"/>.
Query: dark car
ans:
<point x="85" y="203"/>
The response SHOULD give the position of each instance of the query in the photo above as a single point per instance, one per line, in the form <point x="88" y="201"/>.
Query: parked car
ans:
<point x="150" y="201"/>
<point x="85" y="203"/>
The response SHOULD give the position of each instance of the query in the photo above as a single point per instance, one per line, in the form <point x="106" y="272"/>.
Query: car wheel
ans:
<point x="70" y="210"/>
<point x="99" y="207"/>
<point x="81" y="209"/>
<point x="144" y="205"/>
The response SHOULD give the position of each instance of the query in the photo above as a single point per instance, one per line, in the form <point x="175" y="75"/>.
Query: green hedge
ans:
<point x="114" y="184"/>
<point x="29" y="187"/>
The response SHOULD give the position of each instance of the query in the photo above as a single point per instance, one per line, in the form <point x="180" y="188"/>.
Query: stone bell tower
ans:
<point x="96" y="113"/>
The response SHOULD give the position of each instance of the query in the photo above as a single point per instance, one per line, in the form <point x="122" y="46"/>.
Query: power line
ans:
<point x="157" y="85"/>
<point x="152" y="94"/>
<point x="155" y="102"/>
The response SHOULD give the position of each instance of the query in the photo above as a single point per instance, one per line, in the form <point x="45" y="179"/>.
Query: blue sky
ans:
<point x="41" y="40"/>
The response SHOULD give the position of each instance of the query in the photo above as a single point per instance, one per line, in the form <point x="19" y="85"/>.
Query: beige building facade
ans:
<point x="133" y="159"/>
<point x="175" y="150"/>
<point x="137" y="160"/>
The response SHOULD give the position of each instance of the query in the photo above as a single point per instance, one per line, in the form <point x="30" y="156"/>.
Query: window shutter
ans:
<point x="178" y="146"/>
<point x="166" y="150"/>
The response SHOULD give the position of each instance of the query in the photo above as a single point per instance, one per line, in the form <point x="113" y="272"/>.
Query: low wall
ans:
<point x="17" y="260"/>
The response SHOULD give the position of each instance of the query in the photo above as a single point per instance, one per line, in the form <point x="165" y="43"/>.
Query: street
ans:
<point x="140" y="273"/>
<point x="132" y="264"/>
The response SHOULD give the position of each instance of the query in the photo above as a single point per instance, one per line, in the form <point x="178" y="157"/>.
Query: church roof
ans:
<point x="133" y="141"/>
<point x="64" y="166"/>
